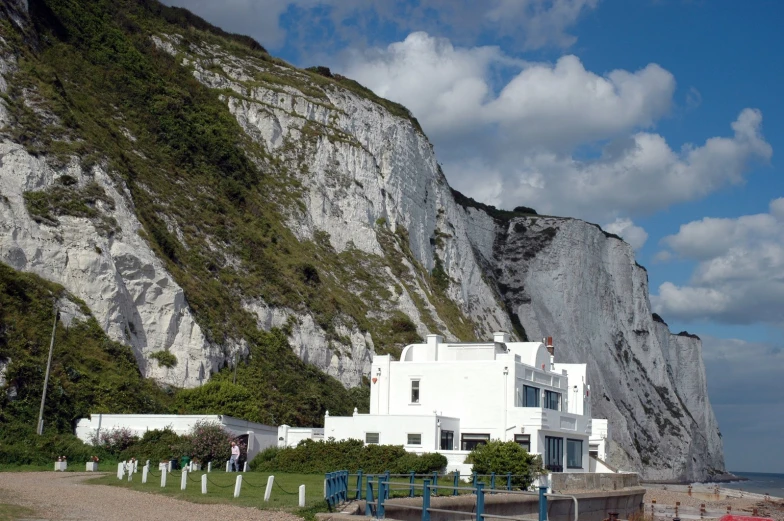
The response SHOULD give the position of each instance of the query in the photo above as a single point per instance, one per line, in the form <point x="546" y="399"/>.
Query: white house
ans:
<point x="449" y="397"/>
<point x="257" y="436"/>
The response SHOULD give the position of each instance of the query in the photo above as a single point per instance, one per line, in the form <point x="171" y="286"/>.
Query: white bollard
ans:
<point x="204" y="483"/>
<point x="184" y="479"/>
<point x="268" y="490"/>
<point x="135" y="466"/>
<point x="245" y="467"/>
<point x="163" y="477"/>
<point x="302" y="496"/>
<point x="227" y="466"/>
<point x="120" y="470"/>
<point x="145" y="473"/>
<point x="325" y="488"/>
<point x="209" y="466"/>
<point x="238" y="486"/>
<point x="130" y="472"/>
<point x="169" y="466"/>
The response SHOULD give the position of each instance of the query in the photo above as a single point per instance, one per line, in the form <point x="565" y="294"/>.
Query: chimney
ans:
<point x="501" y="337"/>
<point x="549" y="346"/>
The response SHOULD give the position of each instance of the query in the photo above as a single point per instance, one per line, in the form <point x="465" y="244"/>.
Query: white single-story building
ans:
<point x="256" y="436"/>
<point x="449" y="397"/>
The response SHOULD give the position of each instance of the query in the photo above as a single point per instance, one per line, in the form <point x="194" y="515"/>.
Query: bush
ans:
<point x="20" y="445"/>
<point x="210" y="442"/>
<point x="502" y="457"/>
<point x="158" y="445"/>
<point x="115" y="441"/>
<point x="318" y="457"/>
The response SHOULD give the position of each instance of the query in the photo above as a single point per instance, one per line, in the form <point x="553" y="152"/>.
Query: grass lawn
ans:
<point x="220" y="489"/>
<point x="11" y="512"/>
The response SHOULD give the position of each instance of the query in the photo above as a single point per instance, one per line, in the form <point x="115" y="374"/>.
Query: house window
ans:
<point x="472" y="441"/>
<point x="552" y="400"/>
<point x="574" y="454"/>
<point x="414" y="439"/>
<point x="530" y="396"/>
<point x="371" y="437"/>
<point x="553" y="454"/>
<point x="414" y="391"/>
<point x="524" y="440"/>
<point x="447" y="440"/>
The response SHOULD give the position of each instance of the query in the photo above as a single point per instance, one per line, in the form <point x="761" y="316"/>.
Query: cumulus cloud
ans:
<point x="524" y="134"/>
<point x="628" y="231"/>
<point x="739" y="277"/>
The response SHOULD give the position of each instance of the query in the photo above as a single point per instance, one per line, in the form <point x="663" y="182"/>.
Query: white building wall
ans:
<point x="260" y="436"/>
<point x="291" y="436"/>
<point x="392" y="429"/>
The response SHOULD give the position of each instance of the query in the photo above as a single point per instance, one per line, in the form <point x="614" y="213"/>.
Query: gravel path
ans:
<point x="56" y="496"/>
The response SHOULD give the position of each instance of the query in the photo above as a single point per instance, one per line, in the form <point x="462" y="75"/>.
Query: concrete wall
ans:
<point x="291" y="436"/>
<point x="561" y="482"/>
<point x="592" y="506"/>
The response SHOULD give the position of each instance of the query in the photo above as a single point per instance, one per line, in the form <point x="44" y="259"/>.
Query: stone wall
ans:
<point x="564" y="482"/>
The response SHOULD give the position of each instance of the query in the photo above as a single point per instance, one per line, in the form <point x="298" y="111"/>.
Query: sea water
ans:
<point x="759" y="483"/>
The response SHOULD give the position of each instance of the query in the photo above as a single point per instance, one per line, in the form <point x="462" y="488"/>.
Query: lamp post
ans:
<point x="46" y="378"/>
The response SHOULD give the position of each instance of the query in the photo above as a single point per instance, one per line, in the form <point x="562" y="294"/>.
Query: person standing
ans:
<point x="235" y="455"/>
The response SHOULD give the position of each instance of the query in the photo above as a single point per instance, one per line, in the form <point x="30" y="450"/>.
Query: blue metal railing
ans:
<point x="377" y="492"/>
<point x="336" y="487"/>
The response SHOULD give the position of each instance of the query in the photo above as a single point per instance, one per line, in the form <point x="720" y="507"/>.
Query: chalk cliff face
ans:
<point x="370" y="183"/>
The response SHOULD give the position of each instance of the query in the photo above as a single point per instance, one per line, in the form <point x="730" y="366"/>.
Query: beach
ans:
<point x="662" y="500"/>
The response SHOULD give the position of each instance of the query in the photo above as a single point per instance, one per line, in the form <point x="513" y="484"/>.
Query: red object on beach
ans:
<point x="743" y="518"/>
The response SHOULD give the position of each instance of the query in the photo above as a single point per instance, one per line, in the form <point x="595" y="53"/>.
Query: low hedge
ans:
<point x="319" y="457"/>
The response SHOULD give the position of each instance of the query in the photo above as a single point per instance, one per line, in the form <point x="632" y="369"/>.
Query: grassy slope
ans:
<point x="89" y="373"/>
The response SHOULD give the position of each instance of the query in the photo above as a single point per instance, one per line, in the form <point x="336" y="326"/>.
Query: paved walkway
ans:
<point x="65" y="496"/>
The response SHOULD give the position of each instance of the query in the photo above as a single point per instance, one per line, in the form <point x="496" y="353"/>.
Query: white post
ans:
<point x="325" y="488"/>
<point x="169" y="466"/>
<point x="120" y="470"/>
<point x="204" y="483"/>
<point x="302" y="496"/>
<point x="163" y="477"/>
<point x="135" y="466"/>
<point x="145" y="473"/>
<point x="227" y="466"/>
<point x="245" y="467"/>
<point x="238" y="485"/>
<point x="268" y="490"/>
<point x="184" y="479"/>
<point x="209" y="467"/>
<point x="130" y="472"/>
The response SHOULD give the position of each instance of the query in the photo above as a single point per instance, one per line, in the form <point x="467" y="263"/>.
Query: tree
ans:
<point x="210" y="442"/>
<point x="503" y="457"/>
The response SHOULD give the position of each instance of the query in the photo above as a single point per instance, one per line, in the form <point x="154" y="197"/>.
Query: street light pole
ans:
<point x="46" y="378"/>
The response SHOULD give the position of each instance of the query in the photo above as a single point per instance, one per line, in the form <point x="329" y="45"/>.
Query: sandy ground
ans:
<point x="740" y="503"/>
<point x="55" y="496"/>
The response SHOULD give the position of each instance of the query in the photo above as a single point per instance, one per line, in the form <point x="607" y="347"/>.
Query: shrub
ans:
<point x="164" y="358"/>
<point x="210" y="442"/>
<point x="116" y="440"/>
<point x="158" y="445"/>
<point x="316" y="457"/>
<point x="502" y="457"/>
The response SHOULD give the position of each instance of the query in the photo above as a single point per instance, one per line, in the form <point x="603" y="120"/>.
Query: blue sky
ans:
<point x="661" y="120"/>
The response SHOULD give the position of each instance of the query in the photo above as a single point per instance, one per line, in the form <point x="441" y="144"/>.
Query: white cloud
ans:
<point x="628" y="231"/>
<point x="557" y="106"/>
<point x="524" y="133"/>
<point x="739" y="277"/>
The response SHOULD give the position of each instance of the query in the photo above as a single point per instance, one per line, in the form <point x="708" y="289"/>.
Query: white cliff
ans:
<point x="565" y="278"/>
<point x="369" y="181"/>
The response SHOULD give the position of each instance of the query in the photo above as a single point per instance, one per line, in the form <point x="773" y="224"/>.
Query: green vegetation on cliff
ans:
<point x="90" y="373"/>
<point x="90" y="84"/>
